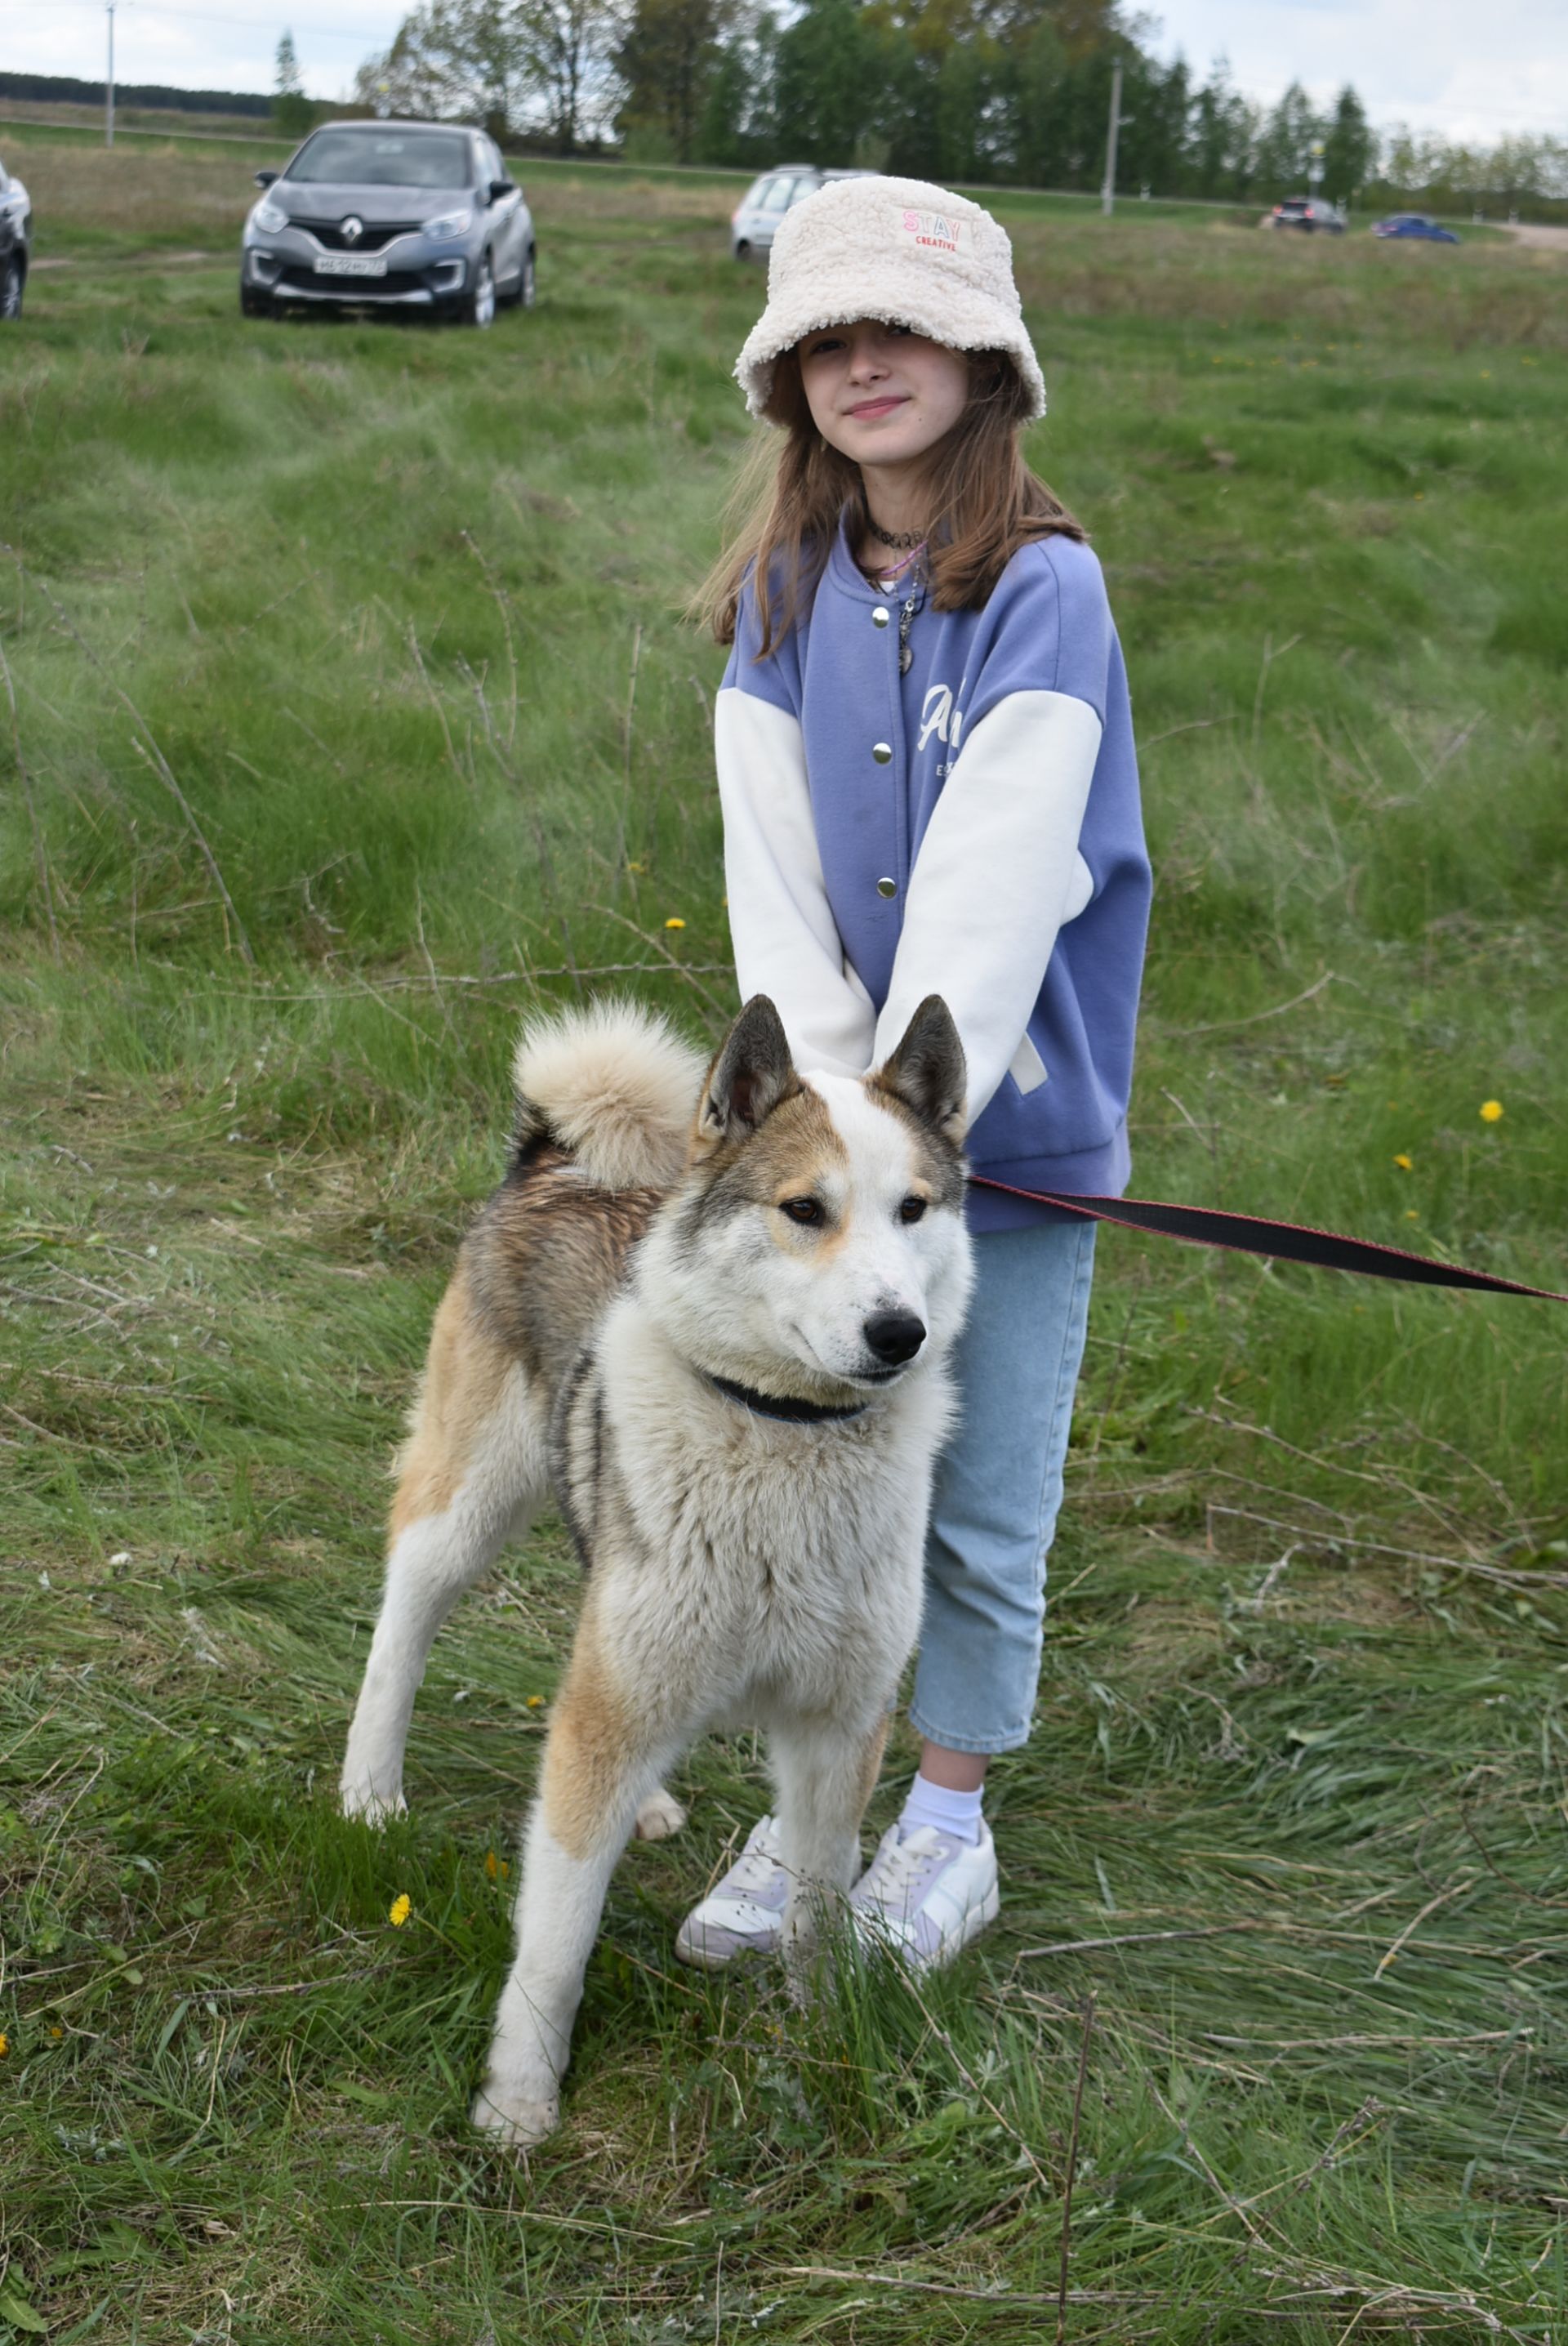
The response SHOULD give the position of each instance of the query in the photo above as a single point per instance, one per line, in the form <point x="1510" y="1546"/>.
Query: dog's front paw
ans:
<point x="660" y="1815"/>
<point x="371" y="1804"/>
<point x="513" y="2112"/>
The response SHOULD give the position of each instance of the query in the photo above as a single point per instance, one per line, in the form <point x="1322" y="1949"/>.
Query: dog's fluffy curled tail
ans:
<point x="614" y="1085"/>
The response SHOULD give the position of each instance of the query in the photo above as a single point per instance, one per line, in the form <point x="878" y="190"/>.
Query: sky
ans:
<point x="1469" y="71"/>
<point x="1449" y="66"/>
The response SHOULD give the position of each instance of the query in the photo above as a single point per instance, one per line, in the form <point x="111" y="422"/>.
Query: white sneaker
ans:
<point x="927" y="1894"/>
<point x="743" y="1914"/>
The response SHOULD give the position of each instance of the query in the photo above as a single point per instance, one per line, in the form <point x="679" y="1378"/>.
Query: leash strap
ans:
<point x="1286" y="1241"/>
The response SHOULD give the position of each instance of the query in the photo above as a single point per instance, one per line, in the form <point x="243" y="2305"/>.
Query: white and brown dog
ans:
<point x="721" y="1336"/>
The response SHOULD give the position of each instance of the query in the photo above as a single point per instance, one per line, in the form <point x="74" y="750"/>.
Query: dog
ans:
<point x="713" y="1310"/>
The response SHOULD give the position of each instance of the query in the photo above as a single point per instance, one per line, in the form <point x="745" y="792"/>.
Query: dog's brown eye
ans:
<point x="911" y="1210"/>
<point x="805" y="1211"/>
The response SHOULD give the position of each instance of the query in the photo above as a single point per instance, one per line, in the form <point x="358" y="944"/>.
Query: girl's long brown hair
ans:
<point x="985" y="504"/>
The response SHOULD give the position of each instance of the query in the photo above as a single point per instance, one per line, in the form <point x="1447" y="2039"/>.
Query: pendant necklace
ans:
<point x="906" y="621"/>
<point x="911" y="603"/>
<point x="887" y="580"/>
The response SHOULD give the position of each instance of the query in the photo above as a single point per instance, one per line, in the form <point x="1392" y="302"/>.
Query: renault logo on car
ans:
<point x="353" y="229"/>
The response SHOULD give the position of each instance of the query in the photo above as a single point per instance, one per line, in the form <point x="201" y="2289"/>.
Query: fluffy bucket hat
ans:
<point x="895" y="249"/>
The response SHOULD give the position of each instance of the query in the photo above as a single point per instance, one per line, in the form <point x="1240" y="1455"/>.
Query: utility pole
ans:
<point x="1108" y="186"/>
<point x="109" y="83"/>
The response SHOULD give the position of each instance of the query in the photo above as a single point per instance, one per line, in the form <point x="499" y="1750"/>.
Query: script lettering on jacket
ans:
<point x="938" y="716"/>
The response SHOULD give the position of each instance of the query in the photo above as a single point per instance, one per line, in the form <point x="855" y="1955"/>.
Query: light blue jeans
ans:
<point x="998" y="1487"/>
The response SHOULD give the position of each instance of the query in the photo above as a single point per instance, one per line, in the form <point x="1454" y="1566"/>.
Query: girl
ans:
<point x="926" y="767"/>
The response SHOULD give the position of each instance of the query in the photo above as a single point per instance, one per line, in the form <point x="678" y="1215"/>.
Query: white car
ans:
<point x="16" y="222"/>
<point x="766" y="201"/>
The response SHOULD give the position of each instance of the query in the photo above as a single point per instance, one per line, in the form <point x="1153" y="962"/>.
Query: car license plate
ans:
<point x="351" y="264"/>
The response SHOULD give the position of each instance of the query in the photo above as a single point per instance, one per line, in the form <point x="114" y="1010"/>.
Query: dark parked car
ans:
<point x="390" y="215"/>
<point x="1414" y="224"/>
<point x="15" y="250"/>
<point x="1310" y="213"/>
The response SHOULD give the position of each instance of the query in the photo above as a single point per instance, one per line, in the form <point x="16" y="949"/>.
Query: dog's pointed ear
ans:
<point x="752" y="1071"/>
<point x="927" y="1071"/>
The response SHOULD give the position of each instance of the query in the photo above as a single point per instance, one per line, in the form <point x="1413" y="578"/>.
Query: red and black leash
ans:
<point x="1285" y="1241"/>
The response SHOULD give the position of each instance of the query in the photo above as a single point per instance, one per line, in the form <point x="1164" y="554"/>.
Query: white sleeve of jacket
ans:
<point x="786" y="940"/>
<point x="997" y="874"/>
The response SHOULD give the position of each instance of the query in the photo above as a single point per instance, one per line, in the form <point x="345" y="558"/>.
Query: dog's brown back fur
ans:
<point x="545" y="1256"/>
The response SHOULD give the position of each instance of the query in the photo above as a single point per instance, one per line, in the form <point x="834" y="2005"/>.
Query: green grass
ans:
<point x="355" y="712"/>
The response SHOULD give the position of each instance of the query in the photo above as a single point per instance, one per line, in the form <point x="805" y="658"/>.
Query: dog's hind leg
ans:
<point x="472" y="1472"/>
<point x="602" y="1762"/>
<point x="824" y="1773"/>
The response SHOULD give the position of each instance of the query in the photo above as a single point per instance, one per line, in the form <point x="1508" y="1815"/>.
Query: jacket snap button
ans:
<point x="881" y="751"/>
<point x="878" y="617"/>
<point x="887" y="887"/>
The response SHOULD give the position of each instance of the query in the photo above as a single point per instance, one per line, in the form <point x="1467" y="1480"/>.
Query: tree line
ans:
<point x="969" y="91"/>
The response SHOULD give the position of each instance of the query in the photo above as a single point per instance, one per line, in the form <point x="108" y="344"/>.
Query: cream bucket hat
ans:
<point x="895" y="249"/>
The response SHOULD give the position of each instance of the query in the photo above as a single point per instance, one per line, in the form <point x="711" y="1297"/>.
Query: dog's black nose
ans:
<point x="894" y="1336"/>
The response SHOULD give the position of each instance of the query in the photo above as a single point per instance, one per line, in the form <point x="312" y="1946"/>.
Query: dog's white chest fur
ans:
<point x="793" y="1550"/>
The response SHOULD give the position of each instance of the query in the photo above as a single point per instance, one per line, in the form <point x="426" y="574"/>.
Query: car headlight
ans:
<point x="268" y="217"/>
<point x="450" y="224"/>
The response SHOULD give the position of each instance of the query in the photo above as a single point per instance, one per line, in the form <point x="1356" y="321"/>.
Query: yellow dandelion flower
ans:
<point x="675" y="925"/>
<point x="1412" y="1215"/>
<point x="1403" y="1161"/>
<point x="400" y="1910"/>
<point x="4" y="2044"/>
<point x="1491" y="1110"/>
<point x="492" y="1864"/>
<point x="57" y="2036"/>
<point x="536" y="1702"/>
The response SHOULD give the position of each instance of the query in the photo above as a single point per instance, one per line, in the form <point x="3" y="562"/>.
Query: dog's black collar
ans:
<point x="786" y="1412"/>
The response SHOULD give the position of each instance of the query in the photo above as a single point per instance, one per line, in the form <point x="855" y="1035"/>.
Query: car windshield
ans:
<point x="383" y="159"/>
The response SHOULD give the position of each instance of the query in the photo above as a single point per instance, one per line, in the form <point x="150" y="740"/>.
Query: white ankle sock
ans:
<point x="958" y="1813"/>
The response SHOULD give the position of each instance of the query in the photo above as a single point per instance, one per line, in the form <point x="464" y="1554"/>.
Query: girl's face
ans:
<point x="879" y="393"/>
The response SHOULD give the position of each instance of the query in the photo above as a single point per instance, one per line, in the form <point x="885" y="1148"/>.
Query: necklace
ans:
<point x="887" y="574"/>
<point x="900" y="540"/>
<point x="888" y="580"/>
<point x="906" y="622"/>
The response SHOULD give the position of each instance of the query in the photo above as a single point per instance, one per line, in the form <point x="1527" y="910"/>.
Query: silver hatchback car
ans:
<point x="767" y="198"/>
<point x="390" y="215"/>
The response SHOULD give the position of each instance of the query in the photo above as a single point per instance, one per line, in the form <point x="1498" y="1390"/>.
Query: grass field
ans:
<point x="353" y="713"/>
